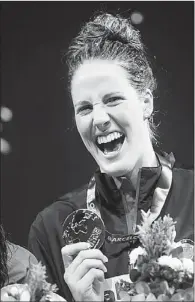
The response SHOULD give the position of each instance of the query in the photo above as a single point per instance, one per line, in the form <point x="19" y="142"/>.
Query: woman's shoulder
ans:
<point x="75" y="195"/>
<point x="183" y="185"/>
<point x="18" y="262"/>
<point x="63" y="206"/>
<point x="183" y="172"/>
<point x="185" y="167"/>
<point x="176" y="165"/>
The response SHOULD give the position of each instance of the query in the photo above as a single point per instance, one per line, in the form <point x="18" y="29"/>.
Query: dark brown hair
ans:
<point x="3" y="257"/>
<point x="114" y="38"/>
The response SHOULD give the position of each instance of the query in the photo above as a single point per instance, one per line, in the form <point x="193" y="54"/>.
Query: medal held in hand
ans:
<point x="84" y="225"/>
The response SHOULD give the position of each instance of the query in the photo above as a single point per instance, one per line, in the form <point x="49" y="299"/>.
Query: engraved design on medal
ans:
<point x="84" y="225"/>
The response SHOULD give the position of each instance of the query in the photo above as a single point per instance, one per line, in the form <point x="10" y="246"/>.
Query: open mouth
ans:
<point x="111" y="142"/>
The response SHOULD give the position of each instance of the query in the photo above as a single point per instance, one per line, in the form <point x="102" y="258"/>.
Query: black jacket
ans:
<point x="45" y="238"/>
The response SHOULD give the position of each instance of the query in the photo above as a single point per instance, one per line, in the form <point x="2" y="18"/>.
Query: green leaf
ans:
<point x="142" y="288"/>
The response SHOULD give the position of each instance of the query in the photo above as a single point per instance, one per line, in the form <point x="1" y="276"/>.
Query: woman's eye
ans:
<point x="114" y="100"/>
<point x="84" y="109"/>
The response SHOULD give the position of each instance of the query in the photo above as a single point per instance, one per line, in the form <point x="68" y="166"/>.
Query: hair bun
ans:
<point x="117" y="29"/>
<point x="113" y="37"/>
<point x="116" y="37"/>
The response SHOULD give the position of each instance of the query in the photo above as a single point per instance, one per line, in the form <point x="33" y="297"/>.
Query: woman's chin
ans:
<point x="115" y="171"/>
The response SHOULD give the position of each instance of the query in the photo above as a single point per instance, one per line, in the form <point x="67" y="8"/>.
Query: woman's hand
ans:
<point x="15" y="292"/>
<point x="84" y="274"/>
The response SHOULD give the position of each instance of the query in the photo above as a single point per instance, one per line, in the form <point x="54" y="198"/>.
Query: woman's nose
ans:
<point x="101" y="119"/>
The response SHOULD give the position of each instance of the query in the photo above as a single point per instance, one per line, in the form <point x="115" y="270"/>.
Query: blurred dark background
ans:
<point x="42" y="155"/>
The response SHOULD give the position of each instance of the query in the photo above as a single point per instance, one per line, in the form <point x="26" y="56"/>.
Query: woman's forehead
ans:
<point x="99" y="77"/>
<point x="99" y="67"/>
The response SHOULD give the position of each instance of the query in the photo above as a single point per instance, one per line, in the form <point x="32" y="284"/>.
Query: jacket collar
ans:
<point x="109" y="189"/>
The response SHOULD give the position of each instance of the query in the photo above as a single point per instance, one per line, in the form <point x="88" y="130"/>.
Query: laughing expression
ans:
<point x="109" y="116"/>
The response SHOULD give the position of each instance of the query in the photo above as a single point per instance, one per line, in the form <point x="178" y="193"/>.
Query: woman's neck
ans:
<point x="148" y="160"/>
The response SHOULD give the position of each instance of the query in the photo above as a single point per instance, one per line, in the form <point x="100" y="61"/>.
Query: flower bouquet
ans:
<point x="34" y="288"/>
<point x="160" y="269"/>
<point x="39" y="288"/>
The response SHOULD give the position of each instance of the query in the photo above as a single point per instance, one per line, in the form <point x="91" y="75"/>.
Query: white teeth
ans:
<point x="108" y="138"/>
<point x="104" y="139"/>
<point x="112" y="136"/>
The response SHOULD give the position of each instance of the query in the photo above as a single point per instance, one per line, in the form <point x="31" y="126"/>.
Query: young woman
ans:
<point x="112" y="85"/>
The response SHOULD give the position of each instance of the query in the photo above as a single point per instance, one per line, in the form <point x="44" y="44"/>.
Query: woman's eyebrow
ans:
<point x="81" y="103"/>
<point x="105" y="97"/>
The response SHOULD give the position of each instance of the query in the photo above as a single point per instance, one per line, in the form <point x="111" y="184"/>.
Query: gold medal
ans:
<point x="84" y="225"/>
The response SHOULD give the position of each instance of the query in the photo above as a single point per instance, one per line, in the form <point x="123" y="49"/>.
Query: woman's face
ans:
<point x="109" y="116"/>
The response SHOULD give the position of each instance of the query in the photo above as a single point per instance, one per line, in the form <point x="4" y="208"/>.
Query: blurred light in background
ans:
<point x="5" y="146"/>
<point x="137" y="17"/>
<point x="6" y="114"/>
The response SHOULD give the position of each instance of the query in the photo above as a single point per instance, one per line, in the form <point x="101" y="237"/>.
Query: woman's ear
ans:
<point x="147" y="104"/>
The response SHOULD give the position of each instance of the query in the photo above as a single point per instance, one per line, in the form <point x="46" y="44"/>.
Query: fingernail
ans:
<point x="105" y="259"/>
<point x="89" y="245"/>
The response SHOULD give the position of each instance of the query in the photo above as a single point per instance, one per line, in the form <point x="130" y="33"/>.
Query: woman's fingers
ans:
<point x="84" y="273"/>
<point x="71" y="250"/>
<point x="75" y="248"/>
<point x="89" y="288"/>
<point x="81" y="251"/>
<point x="87" y="255"/>
<point x="67" y="260"/>
<point x="85" y="266"/>
<point x="92" y="275"/>
<point x="83" y="262"/>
